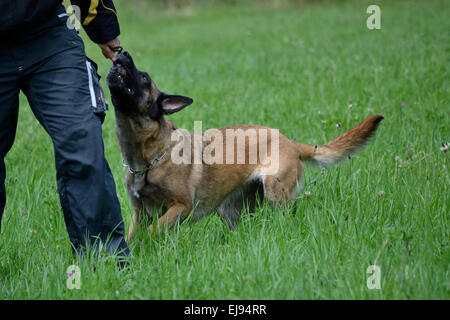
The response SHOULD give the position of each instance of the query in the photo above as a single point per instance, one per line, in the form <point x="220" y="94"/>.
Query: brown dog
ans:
<point x="242" y="163"/>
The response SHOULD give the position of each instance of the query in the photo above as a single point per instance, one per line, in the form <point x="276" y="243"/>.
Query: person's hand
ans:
<point x="108" y="48"/>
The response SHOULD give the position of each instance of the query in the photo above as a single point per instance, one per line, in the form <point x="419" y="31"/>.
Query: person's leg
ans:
<point x="9" y="108"/>
<point x="57" y="89"/>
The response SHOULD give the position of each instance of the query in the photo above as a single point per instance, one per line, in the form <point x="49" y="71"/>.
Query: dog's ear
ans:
<point x="173" y="103"/>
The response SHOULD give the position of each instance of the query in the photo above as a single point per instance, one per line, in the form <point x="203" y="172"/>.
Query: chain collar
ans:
<point x="147" y="168"/>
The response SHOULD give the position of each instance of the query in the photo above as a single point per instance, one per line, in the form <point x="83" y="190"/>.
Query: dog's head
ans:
<point x="134" y="93"/>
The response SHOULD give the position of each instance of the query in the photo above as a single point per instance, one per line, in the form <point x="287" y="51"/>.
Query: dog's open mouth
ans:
<point x="119" y="78"/>
<point x="122" y="75"/>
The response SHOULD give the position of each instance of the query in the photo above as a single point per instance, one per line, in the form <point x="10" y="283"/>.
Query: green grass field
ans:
<point x="296" y="68"/>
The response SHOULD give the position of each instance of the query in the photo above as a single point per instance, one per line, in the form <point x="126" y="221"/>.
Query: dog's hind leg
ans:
<point x="274" y="190"/>
<point x="230" y="210"/>
<point x="230" y="215"/>
<point x="280" y="188"/>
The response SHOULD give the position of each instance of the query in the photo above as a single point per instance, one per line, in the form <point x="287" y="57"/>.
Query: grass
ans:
<point x="292" y="68"/>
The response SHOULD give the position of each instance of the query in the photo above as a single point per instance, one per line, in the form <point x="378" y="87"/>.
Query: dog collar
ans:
<point x="147" y="168"/>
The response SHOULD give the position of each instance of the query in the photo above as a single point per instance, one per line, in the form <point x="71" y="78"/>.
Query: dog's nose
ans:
<point x="123" y="57"/>
<point x="124" y="54"/>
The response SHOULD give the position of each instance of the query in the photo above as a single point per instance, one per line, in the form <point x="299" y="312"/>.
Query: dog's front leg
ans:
<point x="176" y="211"/>
<point x="134" y="222"/>
<point x="136" y="204"/>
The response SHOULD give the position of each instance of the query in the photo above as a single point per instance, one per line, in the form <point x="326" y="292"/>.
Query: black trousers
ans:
<point x="51" y="70"/>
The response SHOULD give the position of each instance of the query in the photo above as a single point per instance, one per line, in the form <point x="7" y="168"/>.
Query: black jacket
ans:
<point x="22" y="19"/>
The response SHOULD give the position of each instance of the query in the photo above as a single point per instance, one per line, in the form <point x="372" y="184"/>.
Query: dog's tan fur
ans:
<point x="206" y="188"/>
<point x="222" y="187"/>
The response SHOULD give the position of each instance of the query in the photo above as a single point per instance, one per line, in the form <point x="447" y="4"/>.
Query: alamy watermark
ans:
<point x="374" y="280"/>
<point x="73" y="277"/>
<point x="74" y="17"/>
<point x="374" y="20"/>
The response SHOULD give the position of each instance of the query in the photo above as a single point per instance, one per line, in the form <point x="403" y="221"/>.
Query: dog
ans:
<point x="155" y="180"/>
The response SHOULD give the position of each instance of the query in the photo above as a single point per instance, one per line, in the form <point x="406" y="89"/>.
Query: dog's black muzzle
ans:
<point x="123" y="75"/>
<point x="124" y="58"/>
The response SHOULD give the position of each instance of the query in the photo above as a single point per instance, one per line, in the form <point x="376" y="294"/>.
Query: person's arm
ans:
<point x="99" y="20"/>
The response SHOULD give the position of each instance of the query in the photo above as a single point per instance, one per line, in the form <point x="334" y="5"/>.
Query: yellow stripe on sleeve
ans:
<point x="92" y="13"/>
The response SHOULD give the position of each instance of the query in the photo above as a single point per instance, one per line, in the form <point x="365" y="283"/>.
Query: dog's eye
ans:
<point x="145" y="78"/>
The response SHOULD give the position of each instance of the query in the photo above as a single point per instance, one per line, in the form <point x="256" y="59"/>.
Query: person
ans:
<point x="45" y="59"/>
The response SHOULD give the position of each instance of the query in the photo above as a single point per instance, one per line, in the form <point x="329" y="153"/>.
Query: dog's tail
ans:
<point x="344" y="146"/>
